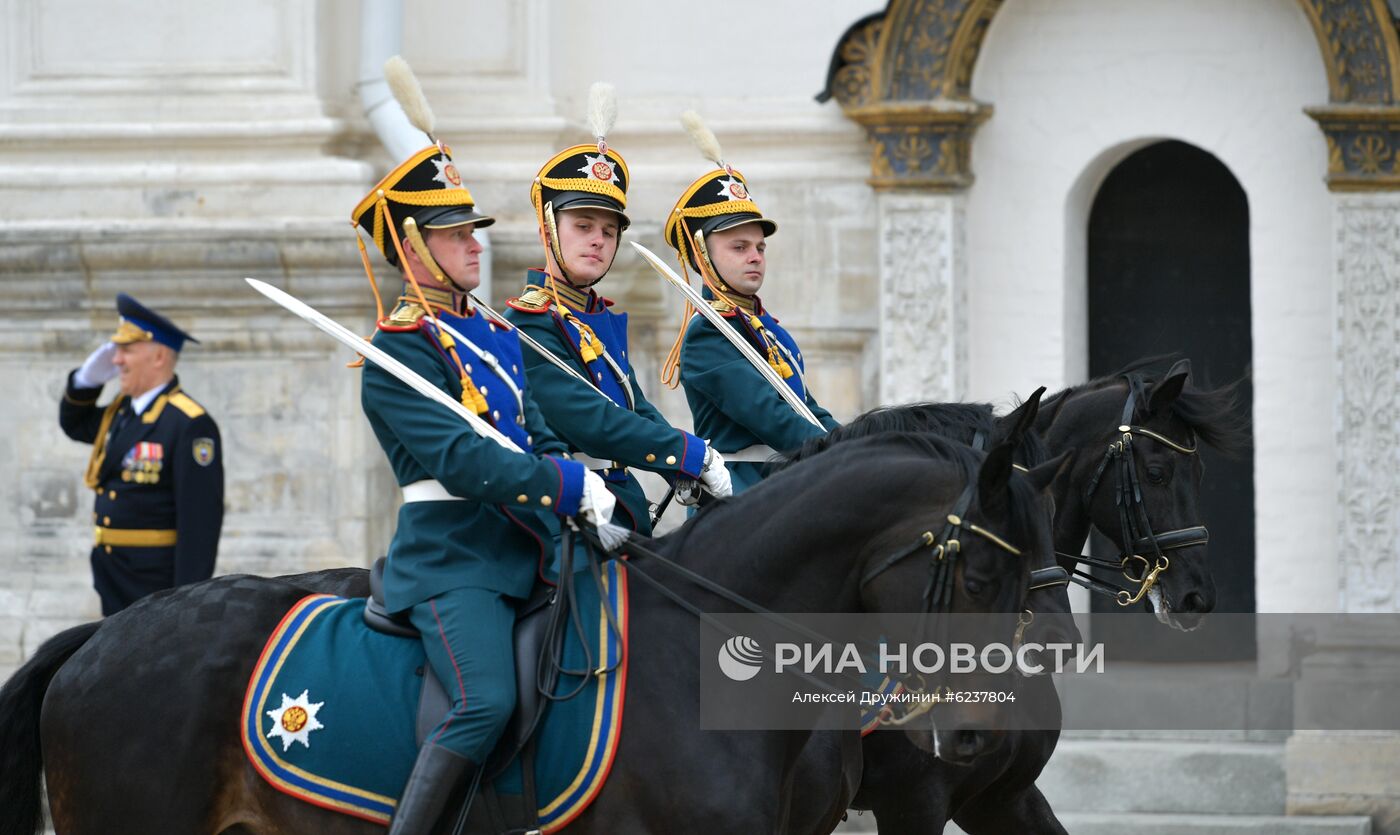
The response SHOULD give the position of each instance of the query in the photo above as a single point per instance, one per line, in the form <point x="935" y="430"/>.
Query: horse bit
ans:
<point x="1137" y="533"/>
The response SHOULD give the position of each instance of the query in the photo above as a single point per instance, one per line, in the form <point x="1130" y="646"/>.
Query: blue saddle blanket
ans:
<point x="330" y="711"/>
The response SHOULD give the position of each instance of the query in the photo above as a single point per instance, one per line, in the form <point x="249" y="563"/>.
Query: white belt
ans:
<point x="756" y="454"/>
<point x="428" y="490"/>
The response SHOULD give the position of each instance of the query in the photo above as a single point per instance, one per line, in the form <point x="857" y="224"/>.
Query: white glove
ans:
<point x="98" y="368"/>
<point x="596" y="506"/>
<point x="715" y="476"/>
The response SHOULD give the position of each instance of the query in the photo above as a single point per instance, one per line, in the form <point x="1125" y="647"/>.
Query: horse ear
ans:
<point x="1168" y="389"/>
<point x="1046" y="474"/>
<point x="993" y="493"/>
<point x="1022" y="418"/>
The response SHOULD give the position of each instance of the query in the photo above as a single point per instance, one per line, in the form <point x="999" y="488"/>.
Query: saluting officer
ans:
<point x="156" y="466"/>
<point x="478" y="521"/>
<point x="580" y="197"/>
<point x="718" y="231"/>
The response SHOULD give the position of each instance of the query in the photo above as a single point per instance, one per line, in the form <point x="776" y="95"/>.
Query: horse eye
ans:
<point x="974" y="588"/>
<point x="1157" y="475"/>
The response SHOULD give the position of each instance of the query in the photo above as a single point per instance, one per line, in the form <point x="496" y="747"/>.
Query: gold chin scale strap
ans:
<point x="670" y="369"/>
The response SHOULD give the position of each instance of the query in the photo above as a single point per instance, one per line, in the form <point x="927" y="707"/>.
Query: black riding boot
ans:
<point x="436" y="773"/>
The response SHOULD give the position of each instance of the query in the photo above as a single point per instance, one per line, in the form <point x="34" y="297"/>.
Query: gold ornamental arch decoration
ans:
<point x="905" y="74"/>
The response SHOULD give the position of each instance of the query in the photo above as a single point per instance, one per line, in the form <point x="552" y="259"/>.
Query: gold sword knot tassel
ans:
<point x="472" y="397"/>
<point x="775" y="357"/>
<point x="589" y="345"/>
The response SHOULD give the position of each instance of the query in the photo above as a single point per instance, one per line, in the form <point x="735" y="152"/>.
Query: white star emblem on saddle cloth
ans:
<point x="295" y="720"/>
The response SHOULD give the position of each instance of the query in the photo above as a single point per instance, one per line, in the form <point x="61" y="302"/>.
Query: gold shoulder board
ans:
<point x="534" y="299"/>
<point x="186" y="404"/>
<point x="407" y="313"/>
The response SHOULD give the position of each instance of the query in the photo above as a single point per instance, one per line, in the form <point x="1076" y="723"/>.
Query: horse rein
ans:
<point x="1133" y="521"/>
<point x="945" y="549"/>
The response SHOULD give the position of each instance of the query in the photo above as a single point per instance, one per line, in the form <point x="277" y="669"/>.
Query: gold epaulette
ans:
<point x="532" y="301"/>
<point x="407" y="313"/>
<point x="186" y="404"/>
<point x="721" y="305"/>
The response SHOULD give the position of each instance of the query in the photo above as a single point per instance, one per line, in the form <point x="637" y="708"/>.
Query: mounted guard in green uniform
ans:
<point x="478" y="521"/>
<point x="580" y="197"/>
<point x="718" y="231"/>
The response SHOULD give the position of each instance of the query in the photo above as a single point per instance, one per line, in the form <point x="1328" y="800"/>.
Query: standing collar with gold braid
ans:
<point x="751" y="305"/>
<point x="409" y="310"/>
<point x="578" y="300"/>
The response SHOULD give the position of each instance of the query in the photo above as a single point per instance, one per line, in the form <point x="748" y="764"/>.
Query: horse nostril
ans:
<point x="1194" y="603"/>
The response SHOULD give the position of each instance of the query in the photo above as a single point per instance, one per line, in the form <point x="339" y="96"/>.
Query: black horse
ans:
<point x="134" y="723"/>
<point x="908" y="789"/>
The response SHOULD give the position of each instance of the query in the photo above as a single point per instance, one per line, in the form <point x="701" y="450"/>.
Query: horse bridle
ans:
<point x="1133" y="522"/>
<point x="944" y="550"/>
<point x="1040" y="578"/>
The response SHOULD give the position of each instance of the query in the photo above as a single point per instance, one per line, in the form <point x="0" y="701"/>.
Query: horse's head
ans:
<point x="1137" y="476"/>
<point x="1046" y="617"/>
<point x="969" y="552"/>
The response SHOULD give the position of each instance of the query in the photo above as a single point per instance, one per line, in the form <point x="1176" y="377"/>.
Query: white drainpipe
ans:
<point x="381" y="38"/>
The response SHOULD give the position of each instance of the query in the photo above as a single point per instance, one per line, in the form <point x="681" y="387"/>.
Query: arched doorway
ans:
<point x="1169" y="270"/>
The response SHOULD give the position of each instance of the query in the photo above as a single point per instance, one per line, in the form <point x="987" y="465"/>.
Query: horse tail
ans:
<point x="21" y="758"/>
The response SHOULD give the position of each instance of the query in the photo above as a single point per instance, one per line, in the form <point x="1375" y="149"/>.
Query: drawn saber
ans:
<point x="376" y="355"/>
<point x="738" y="341"/>
<point x="529" y="342"/>
<point x="612" y="536"/>
<point x="589" y="461"/>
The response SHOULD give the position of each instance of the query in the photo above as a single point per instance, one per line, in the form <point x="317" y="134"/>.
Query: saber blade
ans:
<point x="727" y="330"/>
<point x="376" y="355"/>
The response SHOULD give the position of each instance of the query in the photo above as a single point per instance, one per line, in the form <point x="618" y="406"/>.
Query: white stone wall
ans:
<point x="170" y="152"/>
<point x="1080" y="84"/>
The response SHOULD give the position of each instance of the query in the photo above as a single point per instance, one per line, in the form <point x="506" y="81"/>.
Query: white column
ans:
<point x="1367" y="410"/>
<point x="1330" y="772"/>
<point x="923" y="296"/>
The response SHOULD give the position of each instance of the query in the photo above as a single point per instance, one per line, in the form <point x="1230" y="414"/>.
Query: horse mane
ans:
<point x="1214" y="414"/>
<point x="839" y="458"/>
<point x="1023" y="508"/>
<point x="956" y="421"/>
